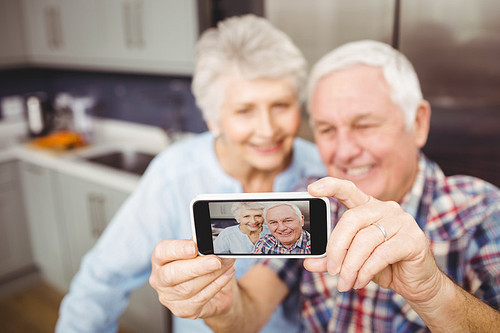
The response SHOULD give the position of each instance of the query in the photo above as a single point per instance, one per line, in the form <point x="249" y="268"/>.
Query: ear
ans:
<point x="422" y="123"/>
<point x="213" y="128"/>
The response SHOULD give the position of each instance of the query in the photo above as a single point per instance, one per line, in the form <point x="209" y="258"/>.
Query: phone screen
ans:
<point x="262" y="227"/>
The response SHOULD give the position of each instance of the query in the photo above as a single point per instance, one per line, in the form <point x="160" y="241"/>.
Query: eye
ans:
<point x="364" y="126"/>
<point x="281" y="105"/>
<point x="325" y="130"/>
<point x="243" y="111"/>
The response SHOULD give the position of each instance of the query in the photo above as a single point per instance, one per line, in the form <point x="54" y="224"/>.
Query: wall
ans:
<point x="164" y="101"/>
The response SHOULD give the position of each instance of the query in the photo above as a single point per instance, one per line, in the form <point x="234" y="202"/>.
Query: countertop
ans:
<point x="107" y="135"/>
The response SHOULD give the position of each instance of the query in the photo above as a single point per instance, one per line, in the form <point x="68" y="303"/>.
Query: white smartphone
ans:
<point x="277" y="224"/>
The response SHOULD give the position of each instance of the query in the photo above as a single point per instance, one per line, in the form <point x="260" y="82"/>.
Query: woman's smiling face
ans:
<point x="258" y="122"/>
<point x="250" y="220"/>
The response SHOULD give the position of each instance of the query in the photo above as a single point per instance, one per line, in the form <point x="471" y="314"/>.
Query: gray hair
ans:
<point x="237" y="207"/>
<point x="397" y="69"/>
<point x="277" y="204"/>
<point x="247" y="46"/>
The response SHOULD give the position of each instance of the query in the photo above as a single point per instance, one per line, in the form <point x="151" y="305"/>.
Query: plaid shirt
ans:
<point x="268" y="244"/>
<point x="460" y="216"/>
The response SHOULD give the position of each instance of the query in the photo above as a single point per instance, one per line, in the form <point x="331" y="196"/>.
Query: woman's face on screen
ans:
<point x="251" y="220"/>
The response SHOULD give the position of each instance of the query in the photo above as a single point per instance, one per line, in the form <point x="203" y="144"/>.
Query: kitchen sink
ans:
<point x="124" y="160"/>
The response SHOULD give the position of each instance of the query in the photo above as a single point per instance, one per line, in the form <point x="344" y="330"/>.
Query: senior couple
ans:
<point x="282" y="232"/>
<point x="411" y="249"/>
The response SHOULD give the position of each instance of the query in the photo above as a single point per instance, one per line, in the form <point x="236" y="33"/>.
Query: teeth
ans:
<point x="358" y="171"/>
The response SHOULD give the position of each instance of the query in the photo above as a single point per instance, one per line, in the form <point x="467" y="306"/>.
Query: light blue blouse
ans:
<point x="232" y="240"/>
<point x="159" y="209"/>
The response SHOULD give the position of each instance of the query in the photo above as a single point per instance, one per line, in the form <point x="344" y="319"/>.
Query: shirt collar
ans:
<point x="298" y="243"/>
<point x="411" y="200"/>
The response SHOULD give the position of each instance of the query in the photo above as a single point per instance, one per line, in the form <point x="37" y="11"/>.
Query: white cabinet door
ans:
<point x="46" y="231"/>
<point x="155" y="36"/>
<point x="15" y="248"/>
<point x="63" y="32"/>
<point x="11" y="34"/>
<point x="87" y="209"/>
<point x="152" y="35"/>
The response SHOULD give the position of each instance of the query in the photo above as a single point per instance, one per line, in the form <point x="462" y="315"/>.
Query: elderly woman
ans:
<point x="242" y="237"/>
<point x="247" y="82"/>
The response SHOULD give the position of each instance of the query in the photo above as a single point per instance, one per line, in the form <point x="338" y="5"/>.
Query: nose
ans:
<point x="265" y="125"/>
<point x="347" y="147"/>
<point x="281" y="226"/>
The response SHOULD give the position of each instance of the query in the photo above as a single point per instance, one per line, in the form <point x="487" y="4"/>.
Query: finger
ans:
<point x="197" y="287"/>
<point x="316" y="265"/>
<point x="203" y="268"/>
<point x="170" y="250"/>
<point x="362" y="247"/>
<point x="346" y="229"/>
<point x="403" y="246"/>
<point x="343" y="190"/>
<point x="198" y="305"/>
<point x="213" y="289"/>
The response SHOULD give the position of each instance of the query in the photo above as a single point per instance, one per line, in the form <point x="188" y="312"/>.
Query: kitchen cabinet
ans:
<point x="153" y="35"/>
<point x="12" y="50"/>
<point x="126" y="35"/>
<point x="15" y="248"/>
<point x="45" y="227"/>
<point x="87" y="208"/>
<point x="62" y="31"/>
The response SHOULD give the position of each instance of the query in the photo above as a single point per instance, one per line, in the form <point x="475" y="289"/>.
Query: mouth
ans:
<point x="357" y="172"/>
<point x="284" y="234"/>
<point x="267" y="148"/>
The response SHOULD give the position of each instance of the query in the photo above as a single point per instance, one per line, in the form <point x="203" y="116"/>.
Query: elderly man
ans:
<point x="285" y="222"/>
<point x="411" y="249"/>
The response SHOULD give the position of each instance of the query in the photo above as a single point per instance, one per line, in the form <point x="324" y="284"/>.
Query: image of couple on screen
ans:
<point x="272" y="228"/>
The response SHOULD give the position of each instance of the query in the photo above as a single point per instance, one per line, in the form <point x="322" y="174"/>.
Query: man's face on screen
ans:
<point x="284" y="224"/>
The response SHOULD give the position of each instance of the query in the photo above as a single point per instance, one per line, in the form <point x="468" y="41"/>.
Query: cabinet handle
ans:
<point x="49" y="27"/>
<point x="139" y="24"/>
<point x="127" y="25"/>
<point x="53" y="25"/>
<point x="96" y="205"/>
<point x="58" y="27"/>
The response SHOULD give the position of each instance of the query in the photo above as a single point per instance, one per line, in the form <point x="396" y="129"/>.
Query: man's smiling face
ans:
<point x="284" y="224"/>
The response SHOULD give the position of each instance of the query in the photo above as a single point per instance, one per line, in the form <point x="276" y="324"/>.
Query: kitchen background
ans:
<point x="134" y="58"/>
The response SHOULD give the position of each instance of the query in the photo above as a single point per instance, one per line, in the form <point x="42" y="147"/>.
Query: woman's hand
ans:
<point x="191" y="286"/>
<point x="395" y="253"/>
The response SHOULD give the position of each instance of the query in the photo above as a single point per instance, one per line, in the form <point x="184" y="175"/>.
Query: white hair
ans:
<point x="277" y="204"/>
<point x="237" y="207"/>
<point x="397" y="69"/>
<point x="247" y="46"/>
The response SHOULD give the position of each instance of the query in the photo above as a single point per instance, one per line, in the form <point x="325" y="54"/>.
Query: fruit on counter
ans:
<point x="61" y="140"/>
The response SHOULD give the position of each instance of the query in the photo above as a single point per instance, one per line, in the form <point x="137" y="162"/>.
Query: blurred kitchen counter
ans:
<point x="108" y="135"/>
